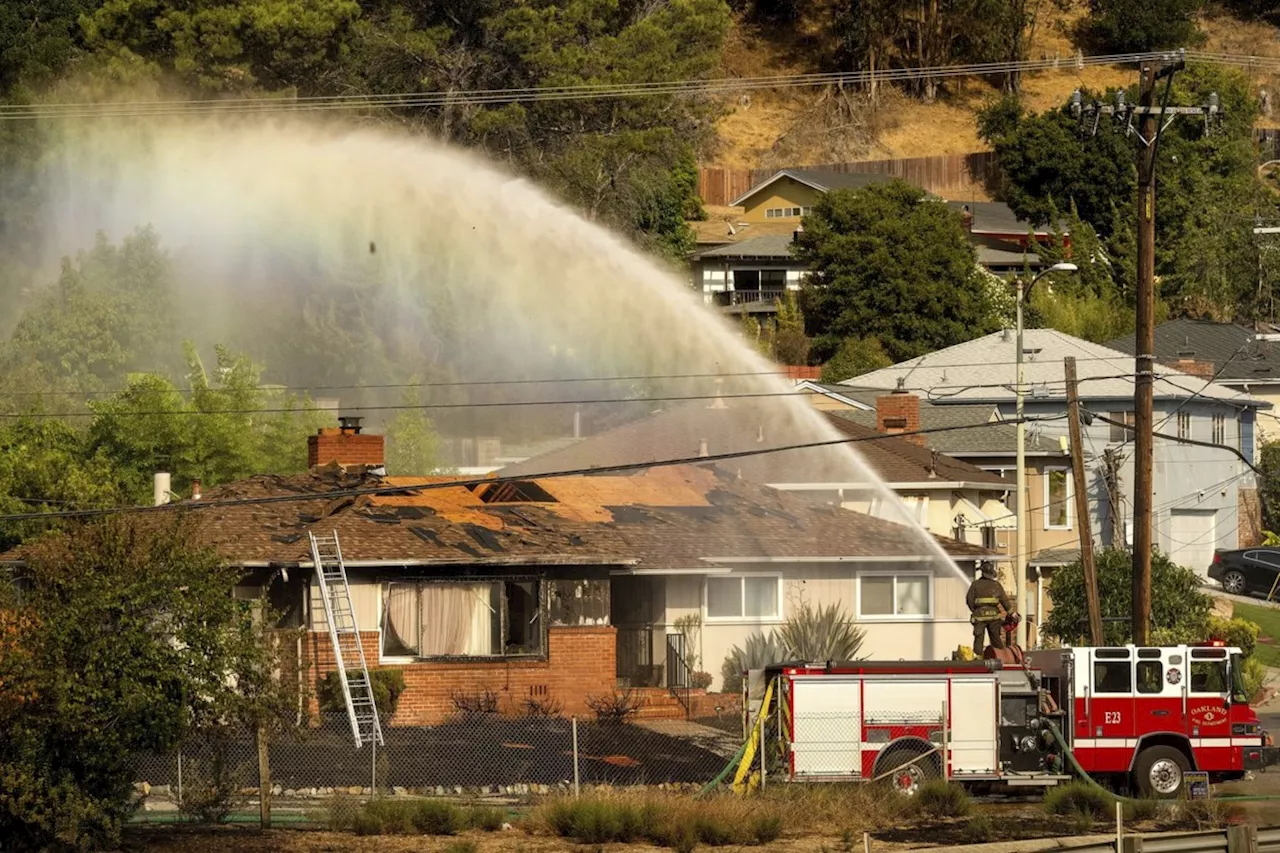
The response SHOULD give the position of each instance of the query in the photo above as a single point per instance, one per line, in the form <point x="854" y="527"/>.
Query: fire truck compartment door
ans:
<point x="975" y="735"/>
<point x="826" y="727"/>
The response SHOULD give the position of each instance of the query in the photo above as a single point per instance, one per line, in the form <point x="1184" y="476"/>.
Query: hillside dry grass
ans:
<point x="807" y="126"/>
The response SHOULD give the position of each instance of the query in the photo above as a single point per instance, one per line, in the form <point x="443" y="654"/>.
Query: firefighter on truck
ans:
<point x="985" y="598"/>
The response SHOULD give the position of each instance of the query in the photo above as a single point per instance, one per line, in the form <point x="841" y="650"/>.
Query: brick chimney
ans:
<point x="899" y="412"/>
<point x="346" y="445"/>
<point x="1202" y="369"/>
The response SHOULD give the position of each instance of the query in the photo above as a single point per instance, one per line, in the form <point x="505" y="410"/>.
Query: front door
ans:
<point x="1111" y="709"/>
<point x="1158" y="690"/>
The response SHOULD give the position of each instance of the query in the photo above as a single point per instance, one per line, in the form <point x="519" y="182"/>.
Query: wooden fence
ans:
<point x="957" y="176"/>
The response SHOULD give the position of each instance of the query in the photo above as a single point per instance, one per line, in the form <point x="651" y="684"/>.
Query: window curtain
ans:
<point x="400" y="621"/>
<point x="456" y="619"/>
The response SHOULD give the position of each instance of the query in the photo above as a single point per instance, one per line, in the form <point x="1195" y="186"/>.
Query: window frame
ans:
<point x="741" y="577"/>
<point x="1184" y="426"/>
<point x="1219" y="434"/>
<point x="895" y="617"/>
<point x="1067" y="500"/>
<point x="540" y="591"/>
<point x="1128" y="418"/>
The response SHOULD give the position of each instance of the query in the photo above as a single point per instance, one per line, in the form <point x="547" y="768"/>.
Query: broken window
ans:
<point x="476" y="618"/>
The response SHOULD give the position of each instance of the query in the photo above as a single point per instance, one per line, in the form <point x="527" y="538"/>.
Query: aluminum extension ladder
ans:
<point x="353" y="672"/>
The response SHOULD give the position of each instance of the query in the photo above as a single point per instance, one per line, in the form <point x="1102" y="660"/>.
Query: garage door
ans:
<point x="1192" y="538"/>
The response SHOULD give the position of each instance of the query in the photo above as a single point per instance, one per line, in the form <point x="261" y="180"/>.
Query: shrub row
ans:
<point x="411" y="817"/>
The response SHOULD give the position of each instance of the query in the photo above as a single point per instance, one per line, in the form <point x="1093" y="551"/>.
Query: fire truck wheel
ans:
<point x="1160" y="770"/>
<point x="907" y="781"/>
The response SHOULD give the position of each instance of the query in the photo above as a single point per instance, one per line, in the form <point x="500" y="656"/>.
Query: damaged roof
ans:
<point x="669" y="517"/>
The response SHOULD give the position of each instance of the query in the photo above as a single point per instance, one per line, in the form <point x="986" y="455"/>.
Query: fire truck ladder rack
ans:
<point x="348" y="653"/>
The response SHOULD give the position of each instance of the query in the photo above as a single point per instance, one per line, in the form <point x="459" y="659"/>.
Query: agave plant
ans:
<point x="820" y="634"/>
<point x="759" y="651"/>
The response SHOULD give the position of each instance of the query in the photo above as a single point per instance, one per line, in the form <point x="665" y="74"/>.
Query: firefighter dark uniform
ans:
<point x="985" y="598"/>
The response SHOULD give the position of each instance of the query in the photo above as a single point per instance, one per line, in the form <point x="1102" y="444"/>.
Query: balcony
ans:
<point x="754" y="301"/>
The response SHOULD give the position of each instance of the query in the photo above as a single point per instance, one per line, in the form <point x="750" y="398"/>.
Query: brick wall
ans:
<point x="899" y="413"/>
<point x="1249" y="511"/>
<point x="345" y="448"/>
<point x="581" y="662"/>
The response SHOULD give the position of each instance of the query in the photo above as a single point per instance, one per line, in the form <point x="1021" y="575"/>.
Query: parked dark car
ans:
<point x="1246" y="570"/>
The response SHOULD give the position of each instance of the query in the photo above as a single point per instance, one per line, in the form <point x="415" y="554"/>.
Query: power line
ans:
<point x="271" y="388"/>
<point x="477" y="481"/>
<point x="445" y="406"/>
<point x="22" y="112"/>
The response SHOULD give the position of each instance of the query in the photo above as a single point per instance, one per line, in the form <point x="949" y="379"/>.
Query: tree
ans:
<point x="228" y="45"/>
<point x="111" y="311"/>
<point x="888" y="261"/>
<point x="1269" y="484"/>
<point x="230" y="427"/>
<point x="413" y="447"/>
<point x="1133" y="26"/>
<point x="855" y="357"/>
<point x="1179" y="610"/>
<point x="130" y="641"/>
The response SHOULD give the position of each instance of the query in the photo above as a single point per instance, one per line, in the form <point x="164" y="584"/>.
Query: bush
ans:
<point x="1239" y="633"/>
<point x="618" y="708"/>
<point x="766" y="828"/>
<point x="1136" y="811"/>
<point x="1208" y="814"/>
<point x="211" y="786"/>
<point x="1079" y="798"/>
<point x="666" y="822"/>
<point x="759" y="651"/>
<point x="700" y="680"/>
<point x="398" y="817"/>
<point x="1255" y="677"/>
<point x="468" y="704"/>
<point x="486" y="819"/>
<point x="387" y="685"/>
<point x="979" y="830"/>
<point x="943" y="799"/>
<point x="540" y="708"/>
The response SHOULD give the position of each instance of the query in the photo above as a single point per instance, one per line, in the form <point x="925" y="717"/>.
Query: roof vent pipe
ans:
<point x="160" y="488"/>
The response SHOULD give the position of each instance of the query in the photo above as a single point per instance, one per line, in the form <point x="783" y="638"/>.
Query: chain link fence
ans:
<point x="469" y="756"/>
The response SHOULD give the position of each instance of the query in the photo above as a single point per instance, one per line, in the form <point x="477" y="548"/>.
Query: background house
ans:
<point x="975" y="434"/>
<point x="745" y="264"/>
<point x="1234" y="356"/>
<point x="1204" y="498"/>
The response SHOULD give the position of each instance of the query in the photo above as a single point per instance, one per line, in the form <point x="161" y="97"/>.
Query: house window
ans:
<point x="1184" y="425"/>
<point x="480" y="618"/>
<point x="893" y="596"/>
<point x="1118" y="432"/>
<point x="784" y="212"/>
<point x="1219" y="429"/>
<point x="773" y="279"/>
<point x="744" y="597"/>
<point x="1057" y="499"/>
<point x="1240" y="433"/>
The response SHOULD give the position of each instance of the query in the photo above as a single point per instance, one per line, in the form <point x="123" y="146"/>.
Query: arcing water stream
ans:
<point x="450" y="266"/>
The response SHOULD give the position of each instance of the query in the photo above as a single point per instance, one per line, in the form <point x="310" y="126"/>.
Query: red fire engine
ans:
<point x="1127" y="715"/>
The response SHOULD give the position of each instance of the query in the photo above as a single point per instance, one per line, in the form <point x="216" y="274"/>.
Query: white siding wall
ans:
<point x="818" y="584"/>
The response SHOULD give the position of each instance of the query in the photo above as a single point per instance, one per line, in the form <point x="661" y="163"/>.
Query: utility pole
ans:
<point x="1083" y="522"/>
<point x="1145" y="343"/>
<point x="1152" y="120"/>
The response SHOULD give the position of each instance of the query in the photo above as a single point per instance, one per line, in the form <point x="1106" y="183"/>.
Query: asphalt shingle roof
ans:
<point x="670" y="517"/>
<point x="1230" y="347"/>
<point x="984" y="437"/>
<point x="983" y="370"/>
<point x="749" y="425"/>
<point x="764" y="246"/>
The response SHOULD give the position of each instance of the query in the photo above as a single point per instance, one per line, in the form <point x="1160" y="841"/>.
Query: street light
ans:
<point x="1020" y="563"/>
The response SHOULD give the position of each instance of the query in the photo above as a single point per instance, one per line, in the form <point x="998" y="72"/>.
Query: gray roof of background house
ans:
<point x="995" y="216"/>
<point x="983" y="369"/>
<point x="764" y="246"/>
<point x="1230" y="347"/>
<point x="984" y="437"/>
